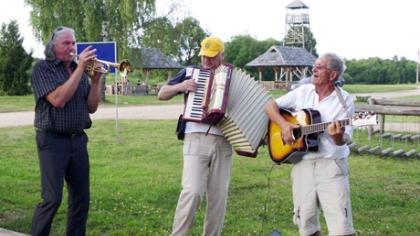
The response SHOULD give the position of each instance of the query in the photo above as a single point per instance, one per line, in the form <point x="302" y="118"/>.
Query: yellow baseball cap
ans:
<point x="211" y="46"/>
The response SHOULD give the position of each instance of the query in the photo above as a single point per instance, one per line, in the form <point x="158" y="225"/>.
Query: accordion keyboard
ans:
<point x="194" y="106"/>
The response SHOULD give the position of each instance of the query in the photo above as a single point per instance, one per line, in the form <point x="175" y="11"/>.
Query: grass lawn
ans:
<point x="135" y="184"/>
<point x="17" y="103"/>
<point x="140" y="100"/>
<point x="27" y="103"/>
<point x="378" y="88"/>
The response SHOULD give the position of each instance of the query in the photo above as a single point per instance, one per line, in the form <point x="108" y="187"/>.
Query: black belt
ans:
<point x="73" y="134"/>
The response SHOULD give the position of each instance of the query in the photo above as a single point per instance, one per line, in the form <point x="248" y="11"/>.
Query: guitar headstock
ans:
<point x="364" y="119"/>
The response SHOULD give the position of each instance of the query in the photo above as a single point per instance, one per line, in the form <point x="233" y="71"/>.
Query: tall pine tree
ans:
<point x="15" y="62"/>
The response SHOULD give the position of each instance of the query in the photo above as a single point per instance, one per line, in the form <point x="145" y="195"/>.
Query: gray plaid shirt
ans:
<point x="74" y="117"/>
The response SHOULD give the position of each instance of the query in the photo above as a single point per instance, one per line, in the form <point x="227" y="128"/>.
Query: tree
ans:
<point x="122" y="19"/>
<point x="189" y="36"/>
<point x="181" y="41"/>
<point x="159" y="33"/>
<point x="244" y="48"/>
<point x="14" y="61"/>
<point x="380" y="71"/>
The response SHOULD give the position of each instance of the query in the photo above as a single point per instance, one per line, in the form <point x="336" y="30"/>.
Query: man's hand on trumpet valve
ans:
<point x="84" y="58"/>
<point x="95" y="75"/>
<point x="95" y="70"/>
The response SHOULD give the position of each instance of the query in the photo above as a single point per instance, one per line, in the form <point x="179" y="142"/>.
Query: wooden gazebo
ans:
<point x="148" y="59"/>
<point x="288" y="63"/>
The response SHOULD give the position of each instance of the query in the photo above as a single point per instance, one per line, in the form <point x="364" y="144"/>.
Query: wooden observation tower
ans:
<point x="297" y="19"/>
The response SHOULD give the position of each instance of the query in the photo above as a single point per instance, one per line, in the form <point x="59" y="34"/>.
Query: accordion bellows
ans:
<point x="245" y="122"/>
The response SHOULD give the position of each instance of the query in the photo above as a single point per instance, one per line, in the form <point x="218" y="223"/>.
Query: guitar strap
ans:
<point x="343" y="103"/>
<point x="341" y="99"/>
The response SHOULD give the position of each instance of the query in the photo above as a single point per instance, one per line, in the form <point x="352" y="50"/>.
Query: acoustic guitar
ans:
<point x="306" y="135"/>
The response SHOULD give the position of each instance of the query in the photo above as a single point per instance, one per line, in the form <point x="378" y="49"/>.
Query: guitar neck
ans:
<point x="316" y="128"/>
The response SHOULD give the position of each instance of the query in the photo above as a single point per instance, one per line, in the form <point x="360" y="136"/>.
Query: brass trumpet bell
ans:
<point x="103" y="67"/>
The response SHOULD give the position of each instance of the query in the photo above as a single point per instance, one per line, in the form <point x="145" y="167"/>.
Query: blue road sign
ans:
<point x="106" y="51"/>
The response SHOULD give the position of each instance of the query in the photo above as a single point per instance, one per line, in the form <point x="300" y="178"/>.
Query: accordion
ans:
<point x="207" y="104"/>
<point x="234" y="102"/>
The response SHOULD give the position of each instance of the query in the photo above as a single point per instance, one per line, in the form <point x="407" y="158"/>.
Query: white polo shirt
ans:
<point x="194" y="127"/>
<point x="330" y="109"/>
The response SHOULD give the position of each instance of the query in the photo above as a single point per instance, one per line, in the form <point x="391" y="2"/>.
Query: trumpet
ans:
<point x="104" y="67"/>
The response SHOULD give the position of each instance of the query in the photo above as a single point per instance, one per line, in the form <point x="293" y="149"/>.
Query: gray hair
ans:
<point x="335" y="63"/>
<point x="49" y="48"/>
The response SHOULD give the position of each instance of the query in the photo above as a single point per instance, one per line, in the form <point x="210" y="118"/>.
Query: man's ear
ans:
<point x="333" y="75"/>
<point x="222" y="55"/>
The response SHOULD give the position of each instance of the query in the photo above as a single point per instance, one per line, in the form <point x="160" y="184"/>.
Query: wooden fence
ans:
<point x="383" y="107"/>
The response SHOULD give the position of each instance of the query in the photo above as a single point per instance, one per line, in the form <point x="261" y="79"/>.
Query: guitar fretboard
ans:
<point x="315" y="128"/>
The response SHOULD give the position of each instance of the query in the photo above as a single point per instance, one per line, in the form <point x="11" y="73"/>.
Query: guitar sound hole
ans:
<point x="297" y="133"/>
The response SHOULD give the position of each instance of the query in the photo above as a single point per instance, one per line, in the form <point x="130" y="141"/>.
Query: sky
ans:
<point x="353" y="29"/>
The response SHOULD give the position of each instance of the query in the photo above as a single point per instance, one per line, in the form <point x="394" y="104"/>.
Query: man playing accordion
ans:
<point x="207" y="161"/>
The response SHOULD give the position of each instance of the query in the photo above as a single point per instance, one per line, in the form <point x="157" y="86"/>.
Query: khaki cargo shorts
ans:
<point x="322" y="184"/>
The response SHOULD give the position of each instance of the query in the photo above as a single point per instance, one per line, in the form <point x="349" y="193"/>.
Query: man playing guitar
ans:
<point x="321" y="179"/>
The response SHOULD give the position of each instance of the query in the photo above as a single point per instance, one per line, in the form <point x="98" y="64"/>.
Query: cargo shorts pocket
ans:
<point x="339" y="168"/>
<point x="296" y="216"/>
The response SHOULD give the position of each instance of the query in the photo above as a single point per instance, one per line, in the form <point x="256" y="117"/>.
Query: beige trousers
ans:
<point x="207" y="168"/>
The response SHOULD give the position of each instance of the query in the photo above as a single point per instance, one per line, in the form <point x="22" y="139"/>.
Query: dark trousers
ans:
<point x="62" y="157"/>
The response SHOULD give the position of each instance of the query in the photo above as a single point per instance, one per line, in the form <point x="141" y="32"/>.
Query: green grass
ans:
<point x="135" y="184"/>
<point x="415" y="98"/>
<point x="376" y="88"/>
<point x="402" y="119"/>
<point x="140" y="100"/>
<point x="360" y="136"/>
<point x="27" y="103"/>
<point x="17" y="103"/>
<point x="277" y="93"/>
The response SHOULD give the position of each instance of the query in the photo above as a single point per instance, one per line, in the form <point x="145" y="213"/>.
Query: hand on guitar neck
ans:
<point x="336" y="131"/>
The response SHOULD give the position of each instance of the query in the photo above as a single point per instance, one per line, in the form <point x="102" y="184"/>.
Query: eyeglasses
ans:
<point x="59" y="29"/>
<point x="319" y="67"/>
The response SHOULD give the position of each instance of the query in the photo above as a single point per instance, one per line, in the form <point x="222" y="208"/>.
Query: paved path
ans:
<point x="5" y="232"/>
<point x="160" y="112"/>
<point x="414" y="92"/>
<point x="163" y="112"/>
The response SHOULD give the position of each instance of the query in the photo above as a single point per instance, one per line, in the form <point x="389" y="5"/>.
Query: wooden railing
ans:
<point x="383" y="107"/>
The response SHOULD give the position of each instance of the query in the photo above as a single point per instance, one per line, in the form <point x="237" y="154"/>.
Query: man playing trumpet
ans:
<point x="64" y="98"/>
